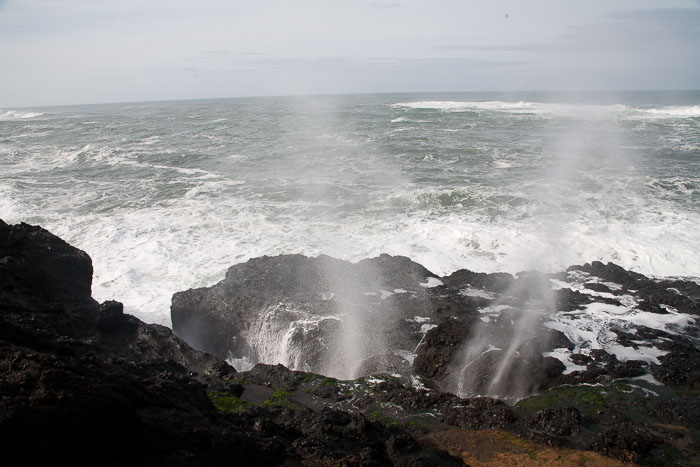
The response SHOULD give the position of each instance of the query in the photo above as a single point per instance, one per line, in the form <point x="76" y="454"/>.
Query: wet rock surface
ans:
<point x="84" y="383"/>
<point x="81" y="383"/>
<point x="467" y="333"/>
<point x="470" y="334"/>
<point x="313" y="314"/>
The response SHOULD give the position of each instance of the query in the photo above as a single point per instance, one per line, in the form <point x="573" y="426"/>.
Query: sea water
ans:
<point x="165" y="196"/>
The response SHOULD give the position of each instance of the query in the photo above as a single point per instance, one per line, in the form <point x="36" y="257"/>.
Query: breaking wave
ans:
<point x="12" y="114"/>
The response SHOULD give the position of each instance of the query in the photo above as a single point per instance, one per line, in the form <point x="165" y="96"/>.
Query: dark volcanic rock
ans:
<point x="496" y="282"/>
<point x="597" y="287"/>
<point x="41" y="272"/>
<point x="682" y="296"/>
<point x="480" y="412"/>
<point x="312" y="314"/>
<point x="439" y="347"/>
<point x="681" y="365"/>
<point x="655" y="296"/>
<point x="627" y="443"/>
<point x="82" y="383"/>
<point x="473" y="334"/>
<point x="555" y="423"/>
<point x="612" y="273"/>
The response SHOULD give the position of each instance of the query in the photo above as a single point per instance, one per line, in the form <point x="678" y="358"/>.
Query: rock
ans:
<point x="439" y="348"/>
<point x="348" y="320"/>
<point x="495" y="282"/>
<point x="655" y="296"/>
<point x="313" y="314"/>
<point x="612" y="273"/>
<point x="597" y="287"/>
<point x="569" y="300"/>
<point x="479" y="413"/>
<point x="83" y="383"/>
<point x="110" y="316"/>
<point x="681" y="365"/>
<point x="627" y="443"/>
<point x="555" y="423"/>
<point x="684" y="409"/>
<point x="682" y="296"/>
<point x="41" y="272"/>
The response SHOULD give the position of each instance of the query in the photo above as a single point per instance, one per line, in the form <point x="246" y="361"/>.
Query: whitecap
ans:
<point x="431" y="282"/>
<point x="501" y="164"/>
<point x="11" y="114"/>
<point x="672" y="112"/>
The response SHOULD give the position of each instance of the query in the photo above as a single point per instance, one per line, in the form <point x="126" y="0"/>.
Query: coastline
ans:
<point x="103" y="386"/>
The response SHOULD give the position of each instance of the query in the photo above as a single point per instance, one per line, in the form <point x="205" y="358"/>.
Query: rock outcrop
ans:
<point x="82" y="383"/>
<point x="313" y="314"/>
<point x="467" y="333"/>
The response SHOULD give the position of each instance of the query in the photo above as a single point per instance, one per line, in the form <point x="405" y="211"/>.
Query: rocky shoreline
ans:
<point x="84" y="383"/>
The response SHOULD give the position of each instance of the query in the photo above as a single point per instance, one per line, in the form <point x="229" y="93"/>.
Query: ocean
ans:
<point x="165" y="196"/>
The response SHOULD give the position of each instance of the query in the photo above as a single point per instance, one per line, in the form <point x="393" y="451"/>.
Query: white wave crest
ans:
<point x="12" y="114"/>
<point x="519" y="107"/>
<point x="678" y="112"/>
<point x="457" y="106"/>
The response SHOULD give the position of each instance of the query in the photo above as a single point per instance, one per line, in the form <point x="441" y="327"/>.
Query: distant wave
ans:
<point x="467" y="106"/>
<point x="552" y="108"/>
<point x="684" y="111"/>
<point x="19" y="114"/>
<point x="519" y="107"/>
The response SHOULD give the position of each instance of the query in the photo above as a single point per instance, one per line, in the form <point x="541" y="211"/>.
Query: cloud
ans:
<point x="644" y="49"/>
<point x="496" y="48"/>
<point x="386" y="4"/>
<point x="215" y="53"/>
<point x="129" y="49"/>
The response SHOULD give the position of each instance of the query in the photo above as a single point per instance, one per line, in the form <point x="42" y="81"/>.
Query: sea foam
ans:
<point x="18" y="114"/>
<point x="163" y="202"/>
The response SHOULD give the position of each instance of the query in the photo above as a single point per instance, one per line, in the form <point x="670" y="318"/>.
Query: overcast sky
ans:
<point x="89" y="51"/>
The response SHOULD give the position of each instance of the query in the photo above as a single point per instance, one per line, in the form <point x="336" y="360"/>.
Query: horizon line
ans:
<point x="330" y="94"/>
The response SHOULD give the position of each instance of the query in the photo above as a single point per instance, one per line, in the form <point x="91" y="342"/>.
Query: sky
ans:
<point x="56" y="52"/>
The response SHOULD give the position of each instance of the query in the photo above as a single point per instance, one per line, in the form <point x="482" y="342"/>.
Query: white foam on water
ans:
<point x="419" y="319"/>
<point x="518" y="107"/>
<point x="591" y="328"/>
<point x="19" y="114"/>
<point x="467" y="105"/>
<point x="472" y="292"/>
<point x="648" y="354"/>
<point x="564" y="356"/>
<point x="431" y="282"/>
<point x="612" y="111"/>
<point x="241" y="364"/>
<point x="142" y="256"/>
<point x="145" y="247"/>
<point x="671" y="112"/>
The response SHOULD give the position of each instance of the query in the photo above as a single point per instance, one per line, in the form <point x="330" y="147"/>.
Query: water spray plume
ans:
<point x="501" y="351"/>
